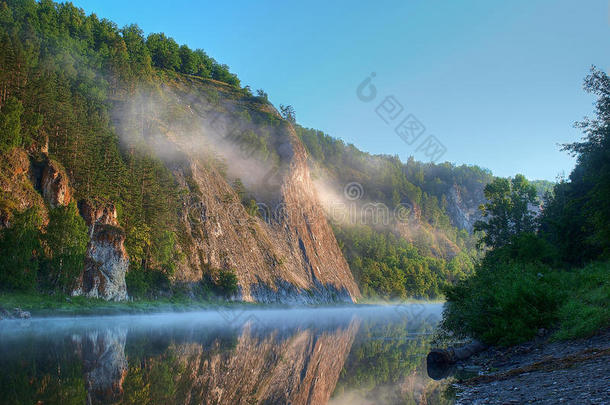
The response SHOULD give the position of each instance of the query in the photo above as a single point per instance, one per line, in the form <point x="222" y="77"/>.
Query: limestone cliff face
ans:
<point x="17" y="186"/>
<point x="106" y="260"/>
<point x="464" y="212"/>
<point x="287" y="254"/>
<point x="55" y="185"/>
<point x="35" y="180"/>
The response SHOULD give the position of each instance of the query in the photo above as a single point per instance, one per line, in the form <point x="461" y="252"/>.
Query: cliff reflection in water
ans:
<point x="302" y="356"/>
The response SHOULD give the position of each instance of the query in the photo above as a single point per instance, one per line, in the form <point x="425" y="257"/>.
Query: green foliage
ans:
<point x="387" y="266"/>
<point x="506" y="303"/>
<point x="518" y="287"/>
<point x="288" y="113"/>
<point x="66" y="239"/>
<point x="221" y="282"/>
<point x="502" y="304"/>
<point x="10" y="124"/>
<point x="423" y="186"/>
<point x="21" y="249"/>
<point x="587" y="309"/>
<point x="507" y="211"/>
<point x="142" y="283"/>
<point x="576" y="217"/>
<point x="226" y="284"/>
<point x="164" y="51"/>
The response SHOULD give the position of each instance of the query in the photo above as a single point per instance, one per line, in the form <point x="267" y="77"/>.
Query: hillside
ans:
<point x="133" y="166"/>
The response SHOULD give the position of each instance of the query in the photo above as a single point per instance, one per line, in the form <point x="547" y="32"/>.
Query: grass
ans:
<point x="587" y="309"/>
<point x="44" y="305"/>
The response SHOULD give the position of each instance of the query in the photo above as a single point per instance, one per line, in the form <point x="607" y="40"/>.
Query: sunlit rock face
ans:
<point x="287" y="254"/>
<point x="106" y="260"/>
<point x="55" y="185"/>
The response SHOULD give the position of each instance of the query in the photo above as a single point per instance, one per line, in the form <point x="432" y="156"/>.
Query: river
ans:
<point x="326" y="355"/>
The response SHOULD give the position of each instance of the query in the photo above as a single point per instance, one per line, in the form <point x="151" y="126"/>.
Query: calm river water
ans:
<point x="347" y="355"/>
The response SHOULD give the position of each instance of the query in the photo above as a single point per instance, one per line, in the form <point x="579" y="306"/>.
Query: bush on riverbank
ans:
<point x="521" y="285"/>
<point x="507" y="303"/>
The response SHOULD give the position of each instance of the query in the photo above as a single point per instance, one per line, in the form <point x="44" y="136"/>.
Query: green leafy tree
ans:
<point x="226" y="284"/>
<point x="576" y="217"/>
<point x="21" y="248"/>
<point x="164" y="51"/>
<point x="10" y="124"/>
<point x="66" y="240"/>
<point x="288" y="113"/>
<point x="507" y="211"/>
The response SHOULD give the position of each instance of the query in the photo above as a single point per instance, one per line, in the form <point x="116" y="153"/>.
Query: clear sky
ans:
<point x="499" y="84"/>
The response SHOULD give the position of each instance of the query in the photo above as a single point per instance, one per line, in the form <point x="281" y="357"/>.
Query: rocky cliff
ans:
<point x="287" y="251"/>
<point x="464" y="211"/>
<point x="283" y="251"/>
<point x="106" y="260"/>
<point x="35" y="180"/>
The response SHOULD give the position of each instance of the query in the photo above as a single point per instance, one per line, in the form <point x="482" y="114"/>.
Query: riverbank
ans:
<point x="43" y="305"/>
<point x="540" y="371"/>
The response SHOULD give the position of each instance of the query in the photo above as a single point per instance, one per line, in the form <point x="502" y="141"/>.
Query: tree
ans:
<point x="288" y="113"/>
<point x="226" y="284"/>
<point x="10" y="124"/>
<point x="576" y="217"/>
<point x="20" y="247"/>
<point x="507" y="210"/>
<point x="188" y="61"/>
<point x="260" y="93"/>
<point x="164" y="51"/>
<point x="66" y="240"/>
<point x="139" y="55"/>
<point x="221" y="73"/>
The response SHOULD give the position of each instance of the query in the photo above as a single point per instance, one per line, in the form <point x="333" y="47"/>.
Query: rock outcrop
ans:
<point x="106" y="260"/>
<point x="55" y="185"/>
<point x="287" y="254"/>
<point x="464" y="211"/>
<point x="17" y="186"/>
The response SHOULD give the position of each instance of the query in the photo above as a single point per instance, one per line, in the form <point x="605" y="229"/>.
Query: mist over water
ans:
<point x="226" y="356"/>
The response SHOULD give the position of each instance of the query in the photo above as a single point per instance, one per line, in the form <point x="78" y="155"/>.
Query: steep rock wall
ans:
<point x="288" y="254"/>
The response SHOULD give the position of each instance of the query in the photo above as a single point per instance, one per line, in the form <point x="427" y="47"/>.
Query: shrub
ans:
<point x="226" y="285"/>
<point x="142" y="283"/>
<point x="507" y="303"/>
<point x="504" y="304"/>
<point x="20" y="247"/>
<point x="587" y="309"/>
<point x="221" y="283"/>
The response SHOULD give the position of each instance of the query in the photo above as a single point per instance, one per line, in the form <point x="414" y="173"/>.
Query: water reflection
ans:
<point x="298" y="356"/>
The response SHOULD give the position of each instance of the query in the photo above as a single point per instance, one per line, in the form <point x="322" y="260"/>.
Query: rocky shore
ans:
<point x="541" y="372"/>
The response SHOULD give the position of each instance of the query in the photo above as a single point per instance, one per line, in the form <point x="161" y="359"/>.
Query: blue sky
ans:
<point x="499" y="84"/>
